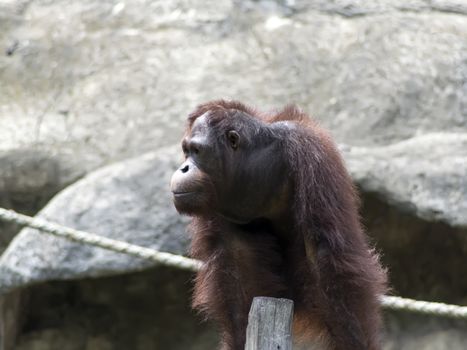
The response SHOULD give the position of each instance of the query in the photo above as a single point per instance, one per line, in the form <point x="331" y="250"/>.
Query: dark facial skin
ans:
<point x="226" y="167"/>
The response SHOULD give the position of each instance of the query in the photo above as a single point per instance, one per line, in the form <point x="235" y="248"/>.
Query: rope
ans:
<point x="390" y="302"/>
<point x="100" y="241"/>
<point x="424" y="307"/>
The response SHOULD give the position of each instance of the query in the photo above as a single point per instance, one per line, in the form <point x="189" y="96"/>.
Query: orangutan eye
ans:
<point x="233" y="138"/>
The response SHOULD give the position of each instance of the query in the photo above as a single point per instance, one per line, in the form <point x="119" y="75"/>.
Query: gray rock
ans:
<point x="28" y="179"/>
<point x="409" y="331"/>
<point x="106" y="81"/>
<point x="449" y="339"/>
<point x="128" y="201"/>
<point x="354" y="8"/>
<point x="140" y="311"/>
<point x="425" y="175"/>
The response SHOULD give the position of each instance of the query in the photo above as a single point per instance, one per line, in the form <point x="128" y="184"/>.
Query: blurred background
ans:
<point x="93" y="100"/>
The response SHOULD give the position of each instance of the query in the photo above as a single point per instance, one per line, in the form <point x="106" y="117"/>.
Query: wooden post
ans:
<point x="269" y="324"/>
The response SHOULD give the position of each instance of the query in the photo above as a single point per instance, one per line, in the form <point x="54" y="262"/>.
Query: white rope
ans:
<point x="390" y="302"/>
<point x="100" y="241"/>
<point x="424" y="307"/>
